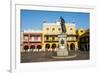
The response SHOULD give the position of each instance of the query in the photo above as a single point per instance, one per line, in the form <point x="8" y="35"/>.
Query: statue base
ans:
<point x="62" y="50"/>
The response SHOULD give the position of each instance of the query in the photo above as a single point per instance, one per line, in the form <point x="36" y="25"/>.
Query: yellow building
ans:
<point x="81" y="31"/>
<point x="49" y="36"/>
<point x="51" y="32"/>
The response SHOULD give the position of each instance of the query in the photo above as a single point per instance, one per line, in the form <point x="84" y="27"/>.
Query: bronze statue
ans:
<point x="62" y="22"/>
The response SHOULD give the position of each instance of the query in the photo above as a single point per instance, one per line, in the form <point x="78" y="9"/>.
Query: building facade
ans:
<point x="31" y="40"/>
<point x="47" y="38"/>
<point x="51" y="32"/>
<point x="84" y="41"/>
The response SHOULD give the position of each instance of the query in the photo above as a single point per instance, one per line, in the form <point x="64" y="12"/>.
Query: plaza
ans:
<point x="42" y="45"/>
<point x="30" y="57"/>
<point x="47" y="39"/>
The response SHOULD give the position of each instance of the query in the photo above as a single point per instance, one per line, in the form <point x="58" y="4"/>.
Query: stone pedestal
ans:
<point x="62" y="50"/>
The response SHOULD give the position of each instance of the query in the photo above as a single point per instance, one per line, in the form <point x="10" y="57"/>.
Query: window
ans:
<point x="81" y="30"/>
<point x="70" y="31"/>
<point x="35" y="38"/>
<point x="71" y="38"/>
<point x="47" y="28"/>
<point x="47" y="38"/>
<point x="59" y="29"/>
<point x="25" y="37"/>
<point x="39" y="38"/>
<point x="32" y="38"/>
<point x="70" y="28"/>
<point x="53" y="38"/>
<point x="53" y="29"/>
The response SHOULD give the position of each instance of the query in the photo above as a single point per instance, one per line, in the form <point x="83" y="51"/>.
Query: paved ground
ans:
<point x="27" y="57"/>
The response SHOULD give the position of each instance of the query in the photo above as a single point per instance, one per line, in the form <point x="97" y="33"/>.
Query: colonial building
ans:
<point x="47" y="38"/>
<point x="31" y="40"/>
<point x="81" y="31"/>
<point x="84" y="41"/>
<point x="51" y="32"/>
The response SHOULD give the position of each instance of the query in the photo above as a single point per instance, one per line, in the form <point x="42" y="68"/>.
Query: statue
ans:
<point x="62" y="22"/>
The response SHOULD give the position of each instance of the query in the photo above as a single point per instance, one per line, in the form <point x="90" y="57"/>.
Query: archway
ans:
<point x="72" y="46"/>
<point x="26" y="47"/>
<point x="39" y="47"/>
<point x="32" y="47"/>
<point x="47" y="46"/>
<point x="53" y="46"/>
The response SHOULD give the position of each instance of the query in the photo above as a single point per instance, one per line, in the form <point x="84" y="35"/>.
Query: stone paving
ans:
<point x="29" y="57"/>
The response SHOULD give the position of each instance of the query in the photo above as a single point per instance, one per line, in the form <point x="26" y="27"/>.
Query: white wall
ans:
<point x="5" y="37"/>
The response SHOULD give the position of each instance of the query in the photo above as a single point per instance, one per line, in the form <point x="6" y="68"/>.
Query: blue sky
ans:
<point x="33" y="19"/>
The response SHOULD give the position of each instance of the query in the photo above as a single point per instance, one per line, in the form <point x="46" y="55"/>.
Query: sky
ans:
<point x="33" y="19"/>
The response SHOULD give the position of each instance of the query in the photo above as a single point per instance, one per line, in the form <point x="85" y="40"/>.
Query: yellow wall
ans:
<point x="71" y="30"/>
<point x="81" y="31"/>
<point x="75" y="43"/>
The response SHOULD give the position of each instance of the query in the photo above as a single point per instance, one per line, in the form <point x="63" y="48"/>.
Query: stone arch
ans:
<point x="47" y="46"/>
<point x="26" y="47"/>
<point x="32" y="47"/>
<point x="39" y="47"/>
<point x="54" y="46"/>
<point x="72" y="46"/>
